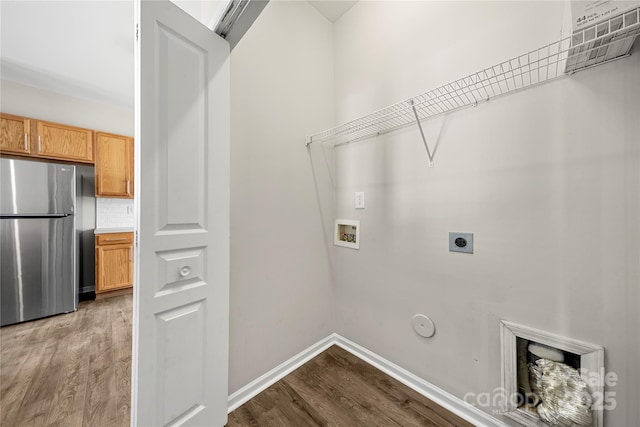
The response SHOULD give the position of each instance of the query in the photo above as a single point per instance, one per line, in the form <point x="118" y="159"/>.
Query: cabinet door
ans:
<point x="15" y="134"/>
<point x="114" y="165"/>
<point x="114" y="266"/>
<point x="64" y="142"/>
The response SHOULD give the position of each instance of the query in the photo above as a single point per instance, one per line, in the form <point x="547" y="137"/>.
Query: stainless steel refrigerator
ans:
<point x="37" y="240"/>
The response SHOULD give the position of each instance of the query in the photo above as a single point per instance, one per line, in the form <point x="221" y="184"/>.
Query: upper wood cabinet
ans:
<point x="112" y="154"/>
<point x="114" y="165"/>
<point x="15" y="134"/>
<point x="56" y="141"/>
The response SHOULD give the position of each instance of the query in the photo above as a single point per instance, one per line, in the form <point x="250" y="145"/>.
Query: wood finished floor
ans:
<point x="338" y="389"/>
<point x="74" y="370"/>
<point x="69" y="370"/>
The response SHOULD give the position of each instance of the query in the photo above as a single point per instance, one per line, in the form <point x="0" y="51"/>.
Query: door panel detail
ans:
<point x="181" y="338"/>
<point x="181" y="268"/>
<point x="182" y="114"/>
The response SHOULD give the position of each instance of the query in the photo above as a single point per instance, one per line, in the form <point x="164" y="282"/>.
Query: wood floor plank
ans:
<point x="10" y="398"/>
<point x="36" y="401"/>
<point x="338" y="389"/>
<point x="69" y="401"/>
<point x="242" y="417"/>
<point x="282" y="396"/>
<point x="123" y="392"/>
<point x="72" y="419"/>
<point x="12" y="393"/>
<point x="68" y="370"/>
<point x="32" y="414"/>
<point x="347" y="392"/>
<point x="395" y="392"/>
<point x="328" y="398"/>
<point x="98" y="410"/>
<point x="121" y="328"/>
<point x="274" y="418"/>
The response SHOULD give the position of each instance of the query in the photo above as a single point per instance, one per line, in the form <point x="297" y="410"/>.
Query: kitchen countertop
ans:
<point x="113" y="230"/>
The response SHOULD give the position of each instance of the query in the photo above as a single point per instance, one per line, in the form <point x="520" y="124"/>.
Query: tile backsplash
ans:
<point x="114" y="213"/>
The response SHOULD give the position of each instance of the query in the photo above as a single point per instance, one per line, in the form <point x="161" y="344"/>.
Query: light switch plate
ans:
<point x="461" y="242"/>
<point x="359" y="199"/>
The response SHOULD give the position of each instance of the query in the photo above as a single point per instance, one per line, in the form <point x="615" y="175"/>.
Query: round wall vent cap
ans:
<point x="423" y="326"/>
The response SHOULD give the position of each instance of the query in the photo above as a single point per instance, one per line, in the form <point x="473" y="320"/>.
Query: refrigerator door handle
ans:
<point x="28" y="216"/>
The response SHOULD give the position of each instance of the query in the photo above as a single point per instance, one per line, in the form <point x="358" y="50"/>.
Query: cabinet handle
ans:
<point x="128" y="187"/>
<point x="115" y="240"/>
<point x="26" y="142"/>
<point x="39" y="144"/>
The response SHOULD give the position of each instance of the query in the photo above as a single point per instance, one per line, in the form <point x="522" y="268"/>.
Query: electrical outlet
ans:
<point x="359" y="200"/>
<point x="461" y="242"/>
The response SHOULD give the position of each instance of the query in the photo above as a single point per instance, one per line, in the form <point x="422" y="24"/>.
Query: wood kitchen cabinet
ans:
<point x="15" y="134"/>
<point x="114" y="261"/>
<point x="23" y="136"/>
<point x="62" y="142"/>
<point x="114" y="165"/>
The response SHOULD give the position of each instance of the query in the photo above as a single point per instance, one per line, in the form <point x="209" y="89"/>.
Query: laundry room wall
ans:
<point x="281" y="299"/>
<point x="547" y="179"/>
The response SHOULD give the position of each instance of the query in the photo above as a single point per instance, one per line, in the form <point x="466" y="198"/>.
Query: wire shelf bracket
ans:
<point x="415" y="112"/>
<point x="595" y="45"/>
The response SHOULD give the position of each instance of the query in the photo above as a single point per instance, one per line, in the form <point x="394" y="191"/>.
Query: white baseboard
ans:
<point x="448" y="401"/>
<point x="263" y="382"/>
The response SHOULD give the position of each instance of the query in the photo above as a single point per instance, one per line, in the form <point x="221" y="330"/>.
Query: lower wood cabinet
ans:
<point x="114" y="261"/>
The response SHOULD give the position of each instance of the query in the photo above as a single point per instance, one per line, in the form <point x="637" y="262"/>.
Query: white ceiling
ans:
<point x="78" y="48"/>
<point x="85" y="48"/>
<point x="333" y="9"/>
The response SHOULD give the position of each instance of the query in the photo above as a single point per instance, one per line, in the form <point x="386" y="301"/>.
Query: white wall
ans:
<point x="548" y="179"/>
<point x="16" y="98"/>
<point x="281" y="283"/>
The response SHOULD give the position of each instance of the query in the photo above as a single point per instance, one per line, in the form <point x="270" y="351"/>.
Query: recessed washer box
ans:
<point x="461" y="242"/>
<point x="347" y="233"/>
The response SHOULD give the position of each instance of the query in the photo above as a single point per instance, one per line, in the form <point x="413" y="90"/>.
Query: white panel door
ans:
<point x="180" y="360"/>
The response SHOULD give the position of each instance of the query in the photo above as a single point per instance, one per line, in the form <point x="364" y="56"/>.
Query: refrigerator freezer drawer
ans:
<point x="36" y="188"/>
<point x="37" y="277"/>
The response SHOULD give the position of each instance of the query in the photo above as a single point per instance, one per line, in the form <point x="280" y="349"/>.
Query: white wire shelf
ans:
<point x="595" y="45"/>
